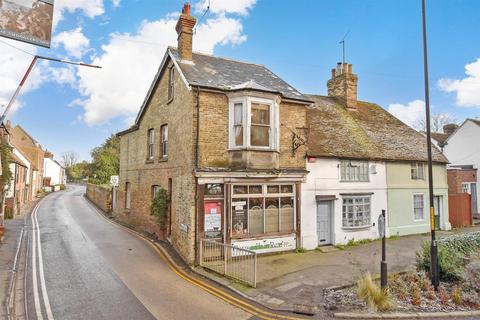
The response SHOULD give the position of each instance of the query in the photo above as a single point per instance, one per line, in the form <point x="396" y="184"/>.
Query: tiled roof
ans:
<point x="226" y="74"/>
<point x="369" y="132"/>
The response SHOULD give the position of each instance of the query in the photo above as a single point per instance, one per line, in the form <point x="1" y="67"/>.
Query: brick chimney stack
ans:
<point x="184" y="29"/>
<point x="343" y="85"/>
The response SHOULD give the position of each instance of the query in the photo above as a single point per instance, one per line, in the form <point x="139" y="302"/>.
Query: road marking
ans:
<point x="223" y="295"/>
<point x="41" y="274"/>
<point x="34" y="272"/>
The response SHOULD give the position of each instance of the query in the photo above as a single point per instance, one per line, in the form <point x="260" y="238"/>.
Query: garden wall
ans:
<point x="101" y="196"/>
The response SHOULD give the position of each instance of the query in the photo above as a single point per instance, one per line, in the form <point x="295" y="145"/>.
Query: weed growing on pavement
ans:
<point x="375" y="297"/>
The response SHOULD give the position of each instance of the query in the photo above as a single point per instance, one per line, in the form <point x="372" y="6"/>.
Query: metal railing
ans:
<point x="228" y="260"/>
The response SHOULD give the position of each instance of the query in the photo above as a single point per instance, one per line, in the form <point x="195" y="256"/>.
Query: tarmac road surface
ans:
<point x="82" y="267"/>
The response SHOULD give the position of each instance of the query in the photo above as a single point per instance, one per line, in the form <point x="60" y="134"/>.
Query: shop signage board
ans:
<point x="27" y="21"/>
<point x="268" y="245"/>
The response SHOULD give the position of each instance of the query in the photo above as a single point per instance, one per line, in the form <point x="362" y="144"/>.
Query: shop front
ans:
<point x="256" y="214"/>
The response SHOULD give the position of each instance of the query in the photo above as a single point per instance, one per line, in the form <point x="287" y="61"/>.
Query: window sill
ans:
<point x="253" y="149"/>
<point x="354" y="181"/>
<point x="165" y="159"/>
<point x="149" y="161"/>
<point x="356" y="228"/>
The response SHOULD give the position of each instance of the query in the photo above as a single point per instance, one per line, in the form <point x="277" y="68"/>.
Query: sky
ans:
<point x="68" y="108"/>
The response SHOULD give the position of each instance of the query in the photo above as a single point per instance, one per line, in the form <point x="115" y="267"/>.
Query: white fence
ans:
<point x="231" y="261"/>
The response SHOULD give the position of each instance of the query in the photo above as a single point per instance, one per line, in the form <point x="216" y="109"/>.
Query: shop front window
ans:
<point x="262" y="209"/>
<point x="213" y="210"/>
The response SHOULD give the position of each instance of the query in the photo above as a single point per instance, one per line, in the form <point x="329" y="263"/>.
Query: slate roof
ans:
<point x="225" y="74"/>
<point x="370" y="132"/>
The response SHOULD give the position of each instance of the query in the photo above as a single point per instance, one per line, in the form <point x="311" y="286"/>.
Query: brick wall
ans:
<point x="101" y="196"/>
<point x="457" y="176"/>
<point x="142" y="174"/>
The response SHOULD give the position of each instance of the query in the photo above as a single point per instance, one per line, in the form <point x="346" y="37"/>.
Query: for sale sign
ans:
<point x="27" y="20"/>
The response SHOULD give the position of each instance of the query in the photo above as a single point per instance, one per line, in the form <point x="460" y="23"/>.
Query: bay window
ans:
<point x="262" y="209"/>
<point x="253" y="123"/>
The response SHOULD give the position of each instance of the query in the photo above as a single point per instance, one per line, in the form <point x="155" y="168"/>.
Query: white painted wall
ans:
<point x="54" y="171"/>
<point x="463" y="148"/>
<point x="324" y="179"/>
<point x="11" y="188"/>
<point x="26" y="162"/>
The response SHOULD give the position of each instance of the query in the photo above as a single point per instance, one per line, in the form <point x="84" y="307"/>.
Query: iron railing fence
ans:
<point x="228" y="260"/>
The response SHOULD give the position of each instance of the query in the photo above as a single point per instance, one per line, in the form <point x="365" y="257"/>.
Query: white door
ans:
<point x="324" y="222"/>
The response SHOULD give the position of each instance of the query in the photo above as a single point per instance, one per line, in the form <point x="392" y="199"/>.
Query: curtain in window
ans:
<point x="238" y="124"/>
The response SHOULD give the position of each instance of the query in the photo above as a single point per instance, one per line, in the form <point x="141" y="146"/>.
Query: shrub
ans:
<point x="451" y="253"/>
<point x="457" y="295"/>
<point x="375" y="297"/>
<point x="443" y="295"/>
<point x="471" y="275"/>
<point x="416" y="295"/>
<point x="159" y="207"/>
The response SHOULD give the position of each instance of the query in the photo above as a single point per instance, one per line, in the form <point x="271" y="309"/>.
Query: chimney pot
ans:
<point x="334" y="73"/>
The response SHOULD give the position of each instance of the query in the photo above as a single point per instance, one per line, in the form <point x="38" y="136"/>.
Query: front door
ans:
<point x="437" y="204"/>
<point x="324" y="222"/>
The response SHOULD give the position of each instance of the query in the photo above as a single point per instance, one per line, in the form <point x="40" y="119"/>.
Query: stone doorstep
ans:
<point x="403" y="315"/>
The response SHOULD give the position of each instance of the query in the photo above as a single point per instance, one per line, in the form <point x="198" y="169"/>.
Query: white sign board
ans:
<point x="213" y="222"/>
<point x="268" y="245"/>
<point x="114" y="180"/>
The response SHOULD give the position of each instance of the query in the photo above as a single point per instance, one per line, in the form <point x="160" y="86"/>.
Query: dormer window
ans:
<point x="253" y="124"/>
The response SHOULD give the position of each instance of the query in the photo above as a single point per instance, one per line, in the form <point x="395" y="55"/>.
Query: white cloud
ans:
<point x="89" y="8"/>
<point x="467" y="90"/>
<point x="13" y="65"/>
<point x="222" y="6"/>
<point x="411" y="113"/>
<point x="74" y="42"/>
<point x="129" y="63"/>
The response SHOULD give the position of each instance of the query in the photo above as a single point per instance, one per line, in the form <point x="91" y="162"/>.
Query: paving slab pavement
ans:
<point x="292" y="280"/>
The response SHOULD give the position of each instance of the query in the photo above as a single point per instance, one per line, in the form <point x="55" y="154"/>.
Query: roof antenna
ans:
<point x="201" y="18"/>
<point x="342" y="42"/>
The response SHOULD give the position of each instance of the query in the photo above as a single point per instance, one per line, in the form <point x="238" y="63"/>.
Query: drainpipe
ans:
<point x="197" y="138"/>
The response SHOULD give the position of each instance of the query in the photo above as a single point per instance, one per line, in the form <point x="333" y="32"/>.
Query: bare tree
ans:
<point x="69" y="159"/>
<point x="437" y="121"/>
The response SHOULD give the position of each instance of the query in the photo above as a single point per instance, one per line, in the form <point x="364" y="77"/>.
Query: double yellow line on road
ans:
<point x="219" y="293"/>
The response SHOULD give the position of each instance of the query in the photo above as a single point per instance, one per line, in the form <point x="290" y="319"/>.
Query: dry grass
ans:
<point x="376" y="298"/>
<point x="457" y="295"/>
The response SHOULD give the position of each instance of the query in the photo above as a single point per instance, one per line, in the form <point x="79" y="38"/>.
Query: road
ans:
<point x="80" y="266"/>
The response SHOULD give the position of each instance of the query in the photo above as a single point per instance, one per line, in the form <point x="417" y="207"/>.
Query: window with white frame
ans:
<point x="356" y="211"/>
<point x="466" y="187"/>
<point x="418" y="207"/>
<point x="164" y="141"/>
<point x="171" y="82"/>
<point x="150" y="143"/>
<point x="155" y="189"/>
<point x="354" y="171"/>
<point x="417" y="170"/>
<point x="253" y="123"/>
<point x="262" y="209"/>
<point x="127" y="195"/>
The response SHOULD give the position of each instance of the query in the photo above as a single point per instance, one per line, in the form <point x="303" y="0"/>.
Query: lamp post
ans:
<point x="433" y="247"/>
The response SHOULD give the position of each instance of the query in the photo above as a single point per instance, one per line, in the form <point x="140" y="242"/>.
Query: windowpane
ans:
<point x="255" y="189"/>
<point x="287" y="188"/>
<point x="418" y="207"/>
<point x="271" y="213"/>
<point x="287" y="214"/>
<point x="164" y="139"/>
<point x="255" y="215"/>
<point x="239" y="189"/>
<point x="260" y="136"/>
<point x="260" y="114"/>
<point x="150" y="143"/>
<point x="238" y="131"/>
<point x="238" y="114"/>
<point x="273" y="189"/>
<point x="214" y="189"/>
<point x="354" y="170"/>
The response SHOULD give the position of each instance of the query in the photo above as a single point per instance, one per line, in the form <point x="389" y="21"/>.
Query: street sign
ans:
<point x="381" y="225"/>
<point x="114" y="181"/>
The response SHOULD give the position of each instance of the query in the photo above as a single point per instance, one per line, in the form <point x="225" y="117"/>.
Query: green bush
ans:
<point x="451" y="253"/>
<point x="472" y="275"/>
<point x="159" y="207"/>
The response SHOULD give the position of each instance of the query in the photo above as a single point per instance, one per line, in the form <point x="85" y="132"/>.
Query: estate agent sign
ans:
<point x="27" y="20"/>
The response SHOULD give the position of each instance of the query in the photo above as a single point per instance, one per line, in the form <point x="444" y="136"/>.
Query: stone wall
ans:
<point x="101" y="196"/>
<point x="143" y="174"/>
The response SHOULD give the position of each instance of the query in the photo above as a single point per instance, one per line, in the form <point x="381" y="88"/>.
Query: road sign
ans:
<point x="114" y="181"/>
<point x="381" y="225"/>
